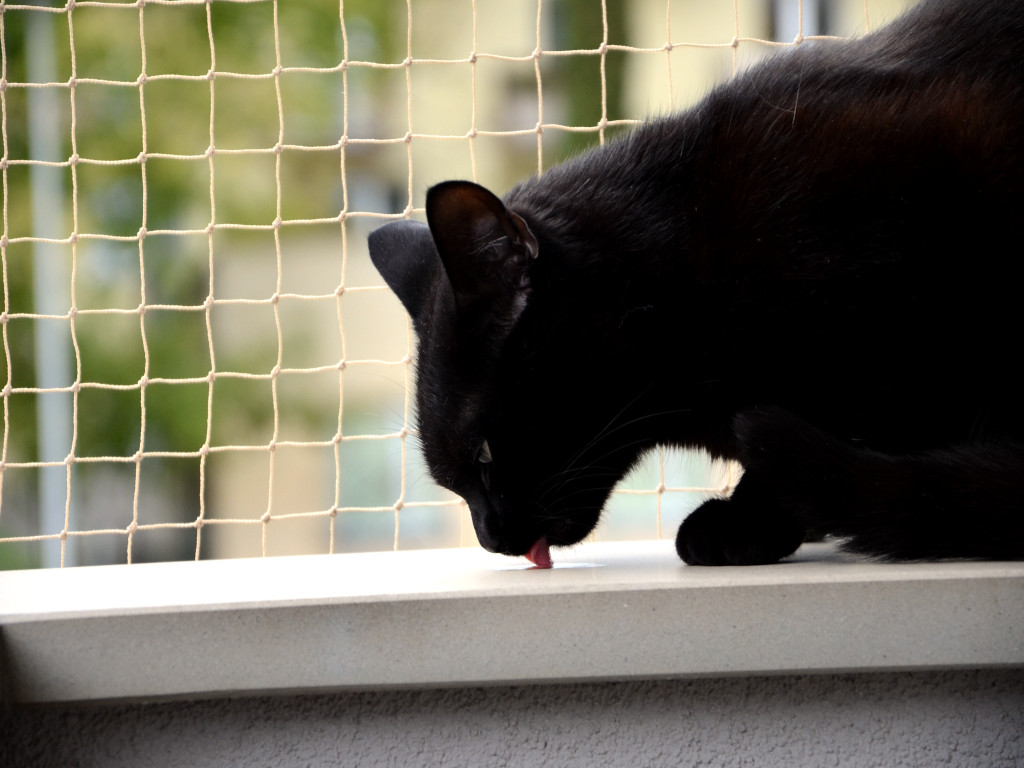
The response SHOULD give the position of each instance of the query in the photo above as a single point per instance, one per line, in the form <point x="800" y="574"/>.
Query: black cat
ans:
<point x="813" y="271"/>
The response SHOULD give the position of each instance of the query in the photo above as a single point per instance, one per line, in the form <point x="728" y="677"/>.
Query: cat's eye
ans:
<point x="484" y="461"/>
<point x="484" y="454"/>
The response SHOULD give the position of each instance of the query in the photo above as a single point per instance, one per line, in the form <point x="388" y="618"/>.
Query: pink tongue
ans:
<point x="540" y="553"/>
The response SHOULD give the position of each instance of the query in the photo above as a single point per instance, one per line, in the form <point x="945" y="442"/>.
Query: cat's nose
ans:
<point x="489" y="535"/>
<point x="485" y="522"/>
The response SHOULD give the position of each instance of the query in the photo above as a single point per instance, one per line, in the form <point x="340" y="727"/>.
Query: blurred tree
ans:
<point x="174" y="116"/>
<point x="579" y="26"/>
<point x="124" y="102"/>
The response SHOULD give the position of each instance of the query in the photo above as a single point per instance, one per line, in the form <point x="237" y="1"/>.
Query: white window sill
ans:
<point x="464" y="617"/>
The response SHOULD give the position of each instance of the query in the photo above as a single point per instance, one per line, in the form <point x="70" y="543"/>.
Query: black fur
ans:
<point x="814" y="271"/>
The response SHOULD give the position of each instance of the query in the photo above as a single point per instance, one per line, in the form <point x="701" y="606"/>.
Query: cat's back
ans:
<point x="852" y="149"/>
<point x="979" y="36"/>
<point x="950" y="71"/>
<point x="941" y="87"/>
<point x="963" y="42"/>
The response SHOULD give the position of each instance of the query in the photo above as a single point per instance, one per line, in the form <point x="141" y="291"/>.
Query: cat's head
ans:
<point x="511" y="408"/>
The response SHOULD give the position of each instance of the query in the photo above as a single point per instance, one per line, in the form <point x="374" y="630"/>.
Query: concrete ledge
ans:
<point x="464" y="617"/>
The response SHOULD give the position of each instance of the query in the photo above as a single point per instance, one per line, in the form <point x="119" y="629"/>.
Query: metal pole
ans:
<point x="51" y="283"/>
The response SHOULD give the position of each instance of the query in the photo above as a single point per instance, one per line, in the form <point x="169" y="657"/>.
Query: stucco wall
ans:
<point x="969" y="718"/>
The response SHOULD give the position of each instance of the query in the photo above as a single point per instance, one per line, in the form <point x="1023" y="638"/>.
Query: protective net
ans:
<point x="199" y="360"/>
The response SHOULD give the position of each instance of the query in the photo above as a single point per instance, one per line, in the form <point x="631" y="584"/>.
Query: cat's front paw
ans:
<point x="718" y="532"/>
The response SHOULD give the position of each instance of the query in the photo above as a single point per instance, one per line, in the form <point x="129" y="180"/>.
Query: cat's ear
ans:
<point x="486" y="249"/>
<point x="404" y="254"/>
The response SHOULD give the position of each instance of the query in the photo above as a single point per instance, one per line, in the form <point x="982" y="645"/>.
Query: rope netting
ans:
<point x="199" y="360"/>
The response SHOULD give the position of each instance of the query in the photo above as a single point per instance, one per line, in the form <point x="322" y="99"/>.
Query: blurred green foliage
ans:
<point x="108" y="117"/>
<point x="578" y="27"/>
<point x="115" y="120"/>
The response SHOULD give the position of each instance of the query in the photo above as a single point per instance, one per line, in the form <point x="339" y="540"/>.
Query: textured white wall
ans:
<point x="970" y="718"/>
